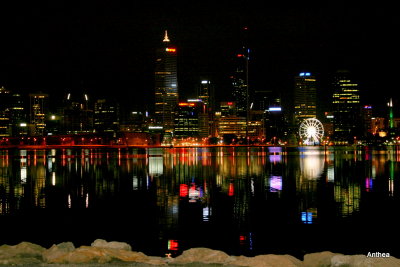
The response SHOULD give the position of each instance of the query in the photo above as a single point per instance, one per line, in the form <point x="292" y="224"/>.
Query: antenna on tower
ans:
<point x="166" y="39"/>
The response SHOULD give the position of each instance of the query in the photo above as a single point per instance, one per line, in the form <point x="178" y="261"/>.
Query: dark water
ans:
<point x="244" y="201"/>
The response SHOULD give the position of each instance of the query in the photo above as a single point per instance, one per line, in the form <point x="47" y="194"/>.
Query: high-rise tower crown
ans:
<point x="166" y="39"/>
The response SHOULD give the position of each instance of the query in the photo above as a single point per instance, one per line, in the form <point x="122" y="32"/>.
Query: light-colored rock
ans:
<point x="88" y="254"/>
<point x="203" y="255"/>
<point x="268" y="260"/>
<point x="363" y="261"/>
<point x="100" y="243"/>
<point x="22" y="253"/>
<point x="382" y="262"/>
<point x="319" y="259"/>
<point x="57" y="253"/>
<point x="345" y="260"/>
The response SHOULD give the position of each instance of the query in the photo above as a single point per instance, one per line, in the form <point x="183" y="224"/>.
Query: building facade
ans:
<point x="38" y="108"/>
<point x="347" y="122"/>
<point x="106" y="116"/>
<point x="166" y="84"/>
<point x="305" y="97"/>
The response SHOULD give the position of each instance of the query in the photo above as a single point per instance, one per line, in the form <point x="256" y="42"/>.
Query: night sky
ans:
<point x="107" y="48"/>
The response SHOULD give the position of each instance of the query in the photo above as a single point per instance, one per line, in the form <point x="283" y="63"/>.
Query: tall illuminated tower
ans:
<point x="166" y="84"/>
<point x="305" y="97"/>
<point x="38" y="107"/>
<point x="346" y="107"/>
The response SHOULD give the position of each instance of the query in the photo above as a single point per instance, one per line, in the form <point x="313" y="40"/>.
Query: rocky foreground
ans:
<point x="103" y="253"/>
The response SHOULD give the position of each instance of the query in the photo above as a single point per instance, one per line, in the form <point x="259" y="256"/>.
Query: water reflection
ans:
<point x="222" y="197"/>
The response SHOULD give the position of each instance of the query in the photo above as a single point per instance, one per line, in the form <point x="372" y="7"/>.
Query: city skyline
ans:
<point x="110" y="51"/>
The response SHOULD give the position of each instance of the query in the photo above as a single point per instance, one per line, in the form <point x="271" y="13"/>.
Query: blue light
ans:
<point x="305" y="74"/>
<point x="306" y="217"/>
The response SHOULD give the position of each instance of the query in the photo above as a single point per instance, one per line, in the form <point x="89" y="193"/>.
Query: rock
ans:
<point x="57" y="253"/>
<point x="319" y="259"/>
<point x="269" y="260"/>
<point x="100" y="243"/>
<point x="362" y="260"/>
<point x="88" y="254"/>
<point x="22" y="253"/>
<point x="202" y="255"/>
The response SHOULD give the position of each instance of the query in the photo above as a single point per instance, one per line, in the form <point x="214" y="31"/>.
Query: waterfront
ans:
<point x="242" y="200"/>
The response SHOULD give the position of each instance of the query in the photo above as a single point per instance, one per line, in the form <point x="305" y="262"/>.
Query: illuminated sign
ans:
<point x="305" y="74"/>
<point x="230" y="103"/>
<point x="274" y="109"/>
<point x="171" y="50"/>
<point x="195" y="100"/>
<point x="204" y="82"/>
<point x="368" y="107"/>
<point x="155" y="127"/>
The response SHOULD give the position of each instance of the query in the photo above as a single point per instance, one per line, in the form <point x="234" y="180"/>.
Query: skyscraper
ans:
<point x="38" y="108"/>
<point x="106" y="116"/>
<point x="346" y="107"/>
<point x="305" y="97"/>
<point x="5" y="96"/>
<point x="166" y="84"/>
<point x="77" y="116"/>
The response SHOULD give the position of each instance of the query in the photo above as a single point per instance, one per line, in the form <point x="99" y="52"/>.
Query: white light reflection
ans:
<point x="135" y="183"/>
<point x="206" y="214"/>
<point x="69" y="201"/>
<point x="53" y="178"/>
<point x="331" y="174"/>
<point x="23" y="167"/>
<point x="311" y="165"/>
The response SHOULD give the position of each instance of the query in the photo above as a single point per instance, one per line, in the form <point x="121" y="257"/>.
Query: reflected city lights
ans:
<point x="179" y="189"/>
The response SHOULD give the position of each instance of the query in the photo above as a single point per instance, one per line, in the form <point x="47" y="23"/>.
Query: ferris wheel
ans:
<point x="311" y="131"/>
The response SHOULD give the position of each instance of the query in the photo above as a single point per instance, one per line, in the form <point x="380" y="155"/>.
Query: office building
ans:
<point x="77" y="115"/>
<point x="106" y="116"/>
<point x="5" y="118"/>
<point x="347" y="121"/>
<point x="187" y="119"/>
<point x="38" y="108"/>
<point x="305" y="97"/>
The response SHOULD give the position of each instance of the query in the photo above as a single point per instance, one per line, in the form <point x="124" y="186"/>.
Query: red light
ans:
<point x="172" y="244"/>
<point x="183" y="190"/>
<point x="231" y="190"/>
<point x="230" y="103"/>
<point x="240" y="55"/>
<point x="169" y="49"/>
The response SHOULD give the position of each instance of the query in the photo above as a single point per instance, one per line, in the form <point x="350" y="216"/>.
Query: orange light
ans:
<point x="186" y="104"/>
<point x="169" y="49"/>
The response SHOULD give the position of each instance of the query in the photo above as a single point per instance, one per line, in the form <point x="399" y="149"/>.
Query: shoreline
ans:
<point x="103" y="253"/>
